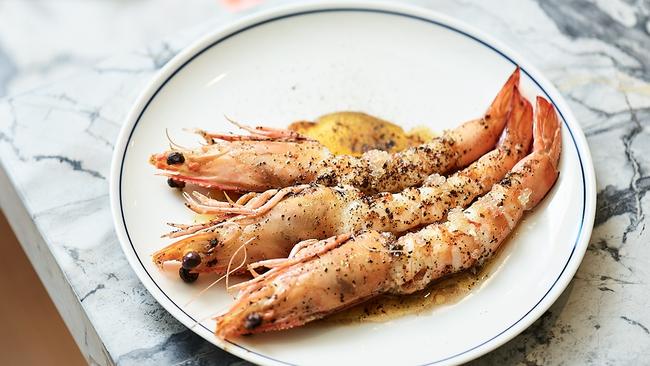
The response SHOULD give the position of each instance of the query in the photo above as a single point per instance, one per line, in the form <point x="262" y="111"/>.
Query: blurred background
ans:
<point x="42" y="41"/>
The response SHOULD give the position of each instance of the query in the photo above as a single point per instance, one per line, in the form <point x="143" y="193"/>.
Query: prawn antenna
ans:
<point x="173" y="145"/>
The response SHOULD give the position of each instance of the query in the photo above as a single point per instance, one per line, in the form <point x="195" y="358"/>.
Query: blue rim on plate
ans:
<point x="581" y="230"/>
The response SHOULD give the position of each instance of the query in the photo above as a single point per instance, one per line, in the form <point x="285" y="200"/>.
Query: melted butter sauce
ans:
<point x="353" y="133"/>
<point x="442" y="292"/>
<point x="445" y="291"/>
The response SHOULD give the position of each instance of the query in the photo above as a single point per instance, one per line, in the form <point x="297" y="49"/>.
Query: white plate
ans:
<point x="403" y="64"/>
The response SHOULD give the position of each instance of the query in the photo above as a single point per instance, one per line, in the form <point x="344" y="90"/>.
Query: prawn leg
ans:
<point x="259" y="133"/>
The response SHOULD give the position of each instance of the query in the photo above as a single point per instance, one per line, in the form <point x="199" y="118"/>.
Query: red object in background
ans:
<point x="237" y="5"/>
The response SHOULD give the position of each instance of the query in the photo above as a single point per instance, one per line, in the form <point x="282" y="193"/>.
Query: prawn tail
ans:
<point x="547" y="134"/>
<point x="519" y="128"/>
<point x="503" y="101"/>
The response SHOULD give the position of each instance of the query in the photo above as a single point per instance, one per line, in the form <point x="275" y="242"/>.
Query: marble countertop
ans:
<point x="56" y="143"/>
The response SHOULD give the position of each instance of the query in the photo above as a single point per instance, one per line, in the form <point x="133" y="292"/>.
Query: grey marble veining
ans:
<point x="621" y="25"/>
<point x="46" y="40"/>
<point x="56" y="144"/>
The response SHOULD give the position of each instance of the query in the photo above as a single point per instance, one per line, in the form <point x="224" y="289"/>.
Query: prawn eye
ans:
<point x="175" y="158"/>
<point x="252" y="321"/>
<point x="175" y="183"/>
<point x="187" y="276"/>
<point x="191" y="260"/>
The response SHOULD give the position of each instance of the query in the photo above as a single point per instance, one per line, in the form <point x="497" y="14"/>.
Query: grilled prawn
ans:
<point x="271" y="158"/>
<point x="325" y="276"/>
<point x="270" y="223"/>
